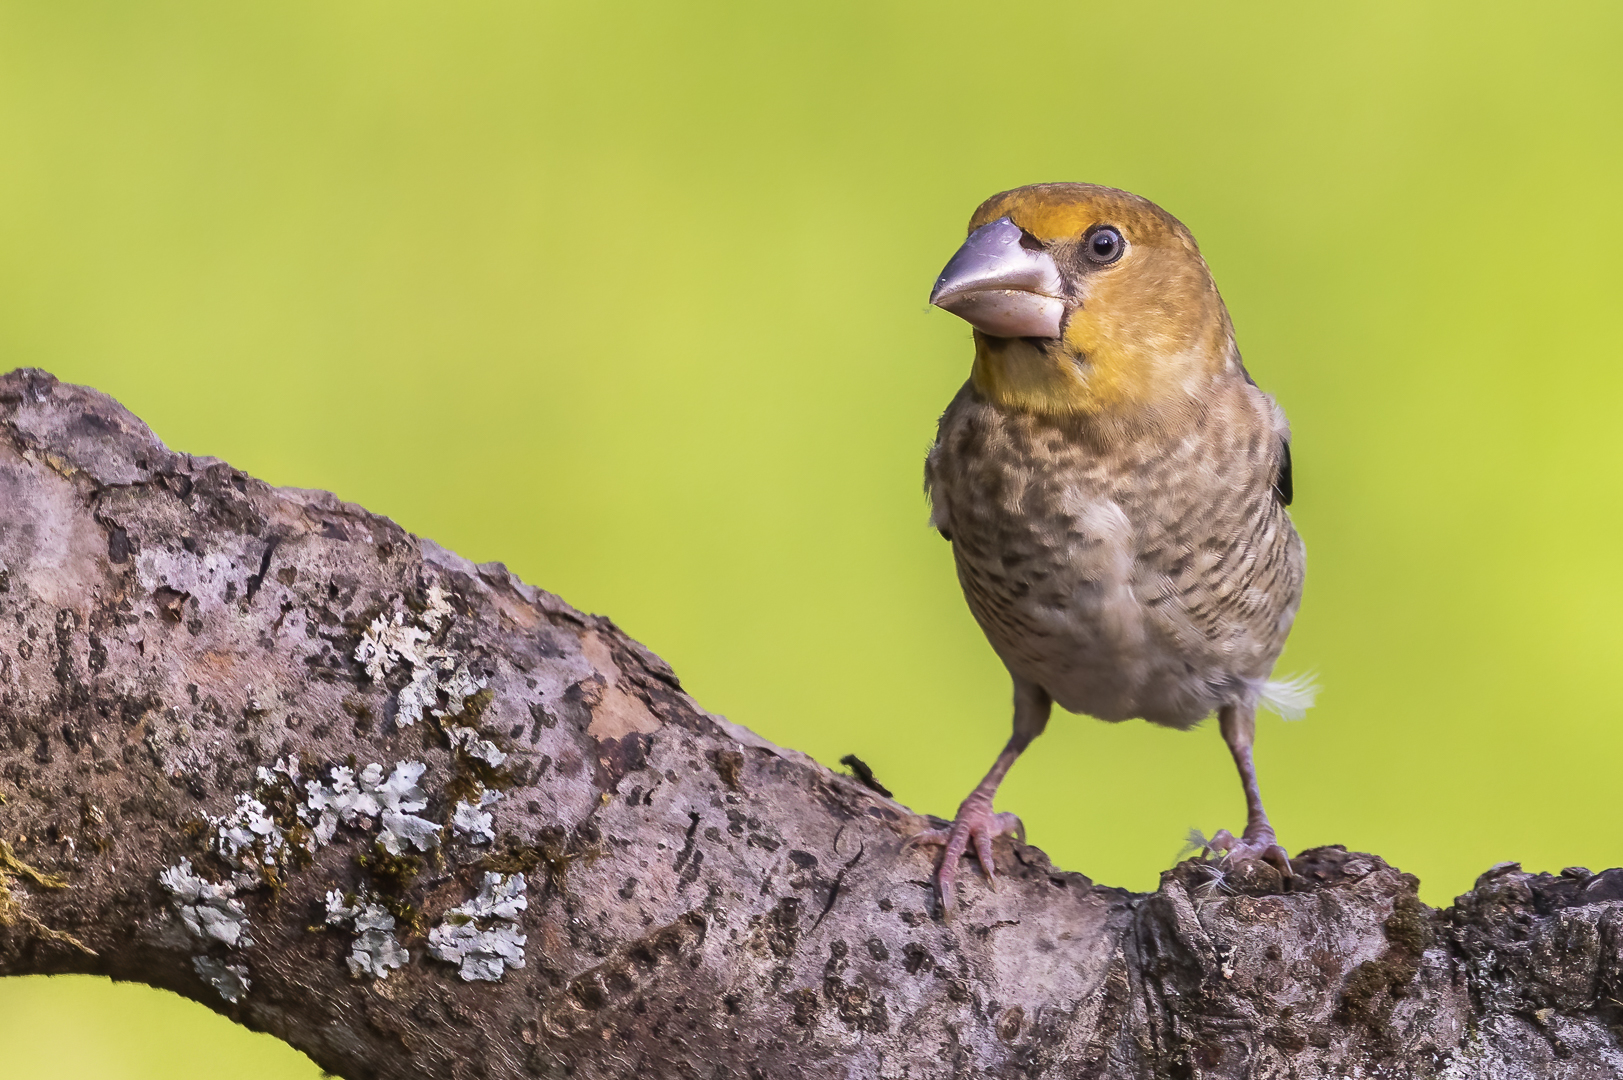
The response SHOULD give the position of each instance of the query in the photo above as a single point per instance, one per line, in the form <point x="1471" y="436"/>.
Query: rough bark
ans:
<point x="701" y="903"/>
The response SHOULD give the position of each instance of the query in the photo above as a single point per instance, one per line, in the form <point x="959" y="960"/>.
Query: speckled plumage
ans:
<point x="1114" y="487"/>
<point x="1144" y="573"/>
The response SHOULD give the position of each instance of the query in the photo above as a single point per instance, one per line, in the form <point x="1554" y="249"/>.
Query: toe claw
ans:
<point x="1260" y="845"/>
<point x="1008" y="824"/>
<point x="943" y="887"/>
<point x="983" y="854"/>
<point x="972" y="832"/>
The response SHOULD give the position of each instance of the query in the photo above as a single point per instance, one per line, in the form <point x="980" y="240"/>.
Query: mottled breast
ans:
<point x="1147" y="574"/>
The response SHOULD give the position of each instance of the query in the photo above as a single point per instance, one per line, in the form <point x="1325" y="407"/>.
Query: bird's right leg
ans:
<point x="976" y="823"/>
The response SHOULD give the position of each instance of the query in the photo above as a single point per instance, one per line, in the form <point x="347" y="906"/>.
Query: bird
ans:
<point x="1114" y="486"/>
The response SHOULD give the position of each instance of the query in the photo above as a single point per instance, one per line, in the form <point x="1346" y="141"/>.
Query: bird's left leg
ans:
<point x="1239" y="726"/>
<point x="976" y="823"/>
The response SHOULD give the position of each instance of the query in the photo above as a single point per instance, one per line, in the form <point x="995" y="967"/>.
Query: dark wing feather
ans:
<point x="1283" y="487"/>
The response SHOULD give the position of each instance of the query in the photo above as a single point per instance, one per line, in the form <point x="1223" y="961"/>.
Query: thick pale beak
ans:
<point x="1000" y="287"/>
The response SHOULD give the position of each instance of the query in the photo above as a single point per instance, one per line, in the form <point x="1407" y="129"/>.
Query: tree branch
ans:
<point x="420" y="819"/>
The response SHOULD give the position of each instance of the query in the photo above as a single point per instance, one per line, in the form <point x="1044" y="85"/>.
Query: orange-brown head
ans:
<point x="1087" y="300"/>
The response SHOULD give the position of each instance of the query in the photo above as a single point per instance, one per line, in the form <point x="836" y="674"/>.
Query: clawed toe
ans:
<point x="1260" y="845"/>
<point x="972" y="832"/>
<point x="928" y="836"/>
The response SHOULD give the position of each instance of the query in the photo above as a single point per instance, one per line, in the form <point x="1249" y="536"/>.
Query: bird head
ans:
<point x="1086" y="300"/>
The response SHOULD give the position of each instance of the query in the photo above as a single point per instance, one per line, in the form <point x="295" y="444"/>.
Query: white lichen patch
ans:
<point x="390" y="642"/>
<point x="458" y="685"/>
<point x="386" y="644"/>
<point x="249" y="828"/>
<point x="374" y="952"/>
<point x="470" y="820"/>
<point x="250" y="835"/>
<point x="339" y="908"/>
<point x="403" y="831"/>
<point x="208" y="908"/>
<point x="285" y="770"/>
<point x="468" y="740"/>
<point x="250" y="838"/>
<point x="417" y="696"/>
<point x="500" y="897"/>
<point x="438" y="610"/>
<point x="439" y="673"/>
<point x="231" y="980"/>
<point x="366" y="800"/>
<point x="481" y="936"/>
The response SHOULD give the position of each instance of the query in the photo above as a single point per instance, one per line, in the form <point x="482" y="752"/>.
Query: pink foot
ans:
<point x="1254" y="844"/>
<point x="975" y="824"/>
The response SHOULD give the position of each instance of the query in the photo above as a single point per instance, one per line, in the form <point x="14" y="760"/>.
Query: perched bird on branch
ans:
<point x="1114" y="488"/>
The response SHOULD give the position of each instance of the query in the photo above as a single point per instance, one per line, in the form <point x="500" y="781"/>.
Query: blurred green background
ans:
<point x="632" y="297"/>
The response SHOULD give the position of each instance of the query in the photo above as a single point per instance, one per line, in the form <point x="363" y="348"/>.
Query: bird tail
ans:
<point x="1290" y="698"/>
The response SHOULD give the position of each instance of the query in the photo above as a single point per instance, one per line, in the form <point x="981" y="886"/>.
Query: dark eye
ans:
<point x="1104" y="245"/>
